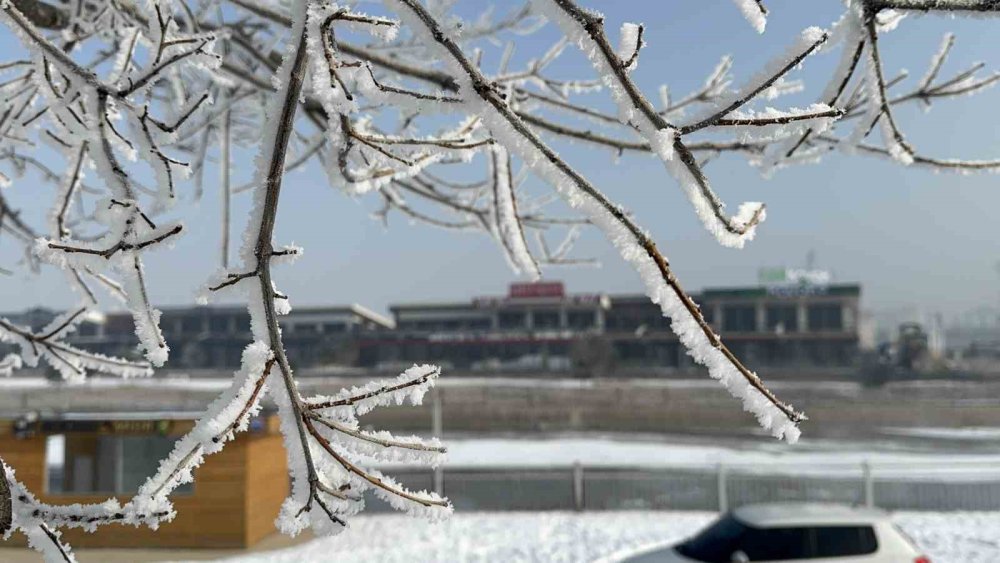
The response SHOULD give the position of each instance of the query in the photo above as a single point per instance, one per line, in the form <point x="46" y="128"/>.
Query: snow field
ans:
<point x="595" y="536"/>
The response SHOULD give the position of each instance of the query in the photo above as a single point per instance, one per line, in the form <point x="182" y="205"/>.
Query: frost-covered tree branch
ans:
<point x="71" y="362"/>
<point x="138" y="100"/>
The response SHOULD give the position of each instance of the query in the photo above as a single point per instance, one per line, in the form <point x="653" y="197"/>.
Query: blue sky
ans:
<point x="911" y="237"/>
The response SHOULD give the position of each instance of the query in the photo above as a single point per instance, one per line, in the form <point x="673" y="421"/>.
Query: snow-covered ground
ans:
<point x="594" y="536"/>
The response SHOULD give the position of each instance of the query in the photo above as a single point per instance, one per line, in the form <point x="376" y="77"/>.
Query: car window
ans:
<point x="843" y="541"/>
<point x="776" y="544"/>
<point x="718" y="542"/>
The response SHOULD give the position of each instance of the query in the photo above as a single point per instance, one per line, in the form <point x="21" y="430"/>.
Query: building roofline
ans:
<point x="87" y="416"/>
<point x="749" y="290"/>
<point x="354" y="308"/>
<point x="763" y="290"/>
<point x="434" y="305"/>
<point x="377" y="318"/>
<point x="485" y="302"/>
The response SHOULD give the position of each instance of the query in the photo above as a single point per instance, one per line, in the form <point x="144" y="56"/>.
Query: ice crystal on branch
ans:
<point x="754" y="12"/>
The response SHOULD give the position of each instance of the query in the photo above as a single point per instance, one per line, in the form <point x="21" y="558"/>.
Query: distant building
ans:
<point x="539" y="326"/>
<point x="214" y="337"/>
<point x="532" y="327"/>
<point x="535" y="327"/>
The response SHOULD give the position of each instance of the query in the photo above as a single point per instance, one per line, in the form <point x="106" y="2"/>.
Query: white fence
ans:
<point x="935" y="487"/>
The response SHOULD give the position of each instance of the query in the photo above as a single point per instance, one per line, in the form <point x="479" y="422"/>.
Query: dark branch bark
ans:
<point x="936" y="5"/>
<point x="6" y="508"/>
<point x="43" y="15"/>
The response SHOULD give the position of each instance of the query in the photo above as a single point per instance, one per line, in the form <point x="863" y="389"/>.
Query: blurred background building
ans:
<point x="535" y="327"/>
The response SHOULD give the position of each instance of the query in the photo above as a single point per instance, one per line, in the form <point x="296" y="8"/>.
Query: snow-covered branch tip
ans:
<point x="338" y="477"/>
<point x="754" y="12"/>
<point x="71" y="362"/>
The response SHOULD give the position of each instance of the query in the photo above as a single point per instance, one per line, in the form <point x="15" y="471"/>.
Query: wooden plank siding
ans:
<point x="267" y="485"/>
<point x="236" y="496"/>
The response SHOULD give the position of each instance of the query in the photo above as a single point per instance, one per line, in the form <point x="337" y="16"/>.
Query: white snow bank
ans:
<point x="967" y="433"/>
<point x="816" y="458"/>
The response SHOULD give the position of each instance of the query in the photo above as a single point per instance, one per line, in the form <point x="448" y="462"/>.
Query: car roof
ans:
<point x="772" y="515"/>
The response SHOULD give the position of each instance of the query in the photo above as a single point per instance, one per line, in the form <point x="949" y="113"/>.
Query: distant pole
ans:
<point x="578" y="486"/>
<point x="722" y="488"/>
<point x="436" y="430"/>
<point x="996" y="318"/>
<point x="436" y="422"/>
<point x="439" y="480"/>
<point x="225" y="162"/>
<point x="119" y="476"/>
<point x="866" y="472"/>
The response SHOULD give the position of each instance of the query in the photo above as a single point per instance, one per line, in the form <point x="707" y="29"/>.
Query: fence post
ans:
<point x="436" y="430"/>
<point x="577" y="486"/>
<point x="436" y="406"/>
<point x="722" y="488"/>
<point x="869" y="483"/>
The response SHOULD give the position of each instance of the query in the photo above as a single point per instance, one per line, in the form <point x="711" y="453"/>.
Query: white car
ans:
<point x="794" y="531"/>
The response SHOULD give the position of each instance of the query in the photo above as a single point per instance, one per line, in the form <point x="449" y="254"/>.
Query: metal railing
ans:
<point x="933" y="487"/>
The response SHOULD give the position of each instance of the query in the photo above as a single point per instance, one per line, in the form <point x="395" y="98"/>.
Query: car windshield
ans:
<point x="718" y="542"/>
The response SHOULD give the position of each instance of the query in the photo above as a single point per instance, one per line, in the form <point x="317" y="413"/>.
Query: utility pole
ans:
<point x="996" y="318"/>
<point x="437" y="430"/>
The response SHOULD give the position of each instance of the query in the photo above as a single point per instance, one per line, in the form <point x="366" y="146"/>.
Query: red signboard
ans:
<point x="538" y="289"/>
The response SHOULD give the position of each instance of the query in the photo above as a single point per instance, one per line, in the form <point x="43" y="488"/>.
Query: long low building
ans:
<point x="214" y="337"/>
<point x="539" y="326"/>
<point x="535" y="327"/>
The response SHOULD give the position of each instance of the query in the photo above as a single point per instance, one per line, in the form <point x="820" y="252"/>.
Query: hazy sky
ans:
<point x="910" y="237"/>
